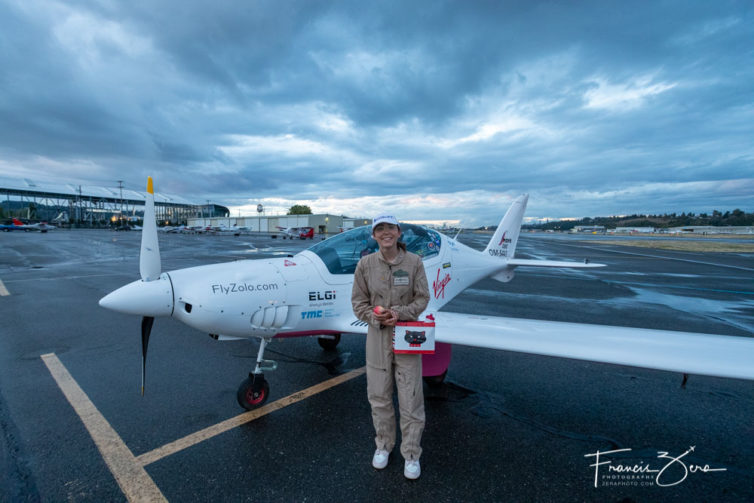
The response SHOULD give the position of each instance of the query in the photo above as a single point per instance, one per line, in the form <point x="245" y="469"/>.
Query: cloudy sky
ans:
<point x="438" y="110"/>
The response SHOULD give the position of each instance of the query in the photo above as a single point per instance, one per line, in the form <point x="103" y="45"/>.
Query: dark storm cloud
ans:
<point x="594" y="107"/>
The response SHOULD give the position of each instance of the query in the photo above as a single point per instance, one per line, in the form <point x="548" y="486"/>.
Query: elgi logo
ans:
<point x="326" y="295"/>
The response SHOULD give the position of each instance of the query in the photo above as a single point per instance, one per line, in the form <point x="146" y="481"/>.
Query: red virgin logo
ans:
<point x="503" y="240"/>
<point x="439" y="285"/>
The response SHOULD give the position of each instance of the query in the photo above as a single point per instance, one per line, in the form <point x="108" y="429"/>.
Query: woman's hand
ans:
<point x="387" y="317"/>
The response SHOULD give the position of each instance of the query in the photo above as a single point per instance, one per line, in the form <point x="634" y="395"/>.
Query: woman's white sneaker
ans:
<point x="412" y="470"/>
<point x="379" y="460"/>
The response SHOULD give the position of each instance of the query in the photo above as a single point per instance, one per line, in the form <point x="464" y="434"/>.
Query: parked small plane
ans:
<point x="234" y="229"/>
<point x="306" y="233"/>
<point x="8" y="226"/>
<point x="297" y="232"/>
<point x="309" y="294"/>
<point x="39" y="226"/>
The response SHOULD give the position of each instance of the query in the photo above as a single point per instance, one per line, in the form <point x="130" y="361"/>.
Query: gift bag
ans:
<point x="415" y="336"/>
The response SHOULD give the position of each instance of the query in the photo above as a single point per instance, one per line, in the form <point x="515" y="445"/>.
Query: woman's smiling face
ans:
<point x="386" y="235"/>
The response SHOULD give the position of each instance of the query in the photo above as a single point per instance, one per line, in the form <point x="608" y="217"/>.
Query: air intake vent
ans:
<point x="270" y="317"/>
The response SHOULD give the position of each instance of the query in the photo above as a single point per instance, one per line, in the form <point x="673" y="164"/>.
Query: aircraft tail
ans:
<point x="503" y="242"/>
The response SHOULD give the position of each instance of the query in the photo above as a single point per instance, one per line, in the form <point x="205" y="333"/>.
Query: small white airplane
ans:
<point x="309" y="294"/>
<point x="297" y="232"/>
<point x="39" y="226"/>
<point x="234" y="229"/>
<point x="288" y="232"/>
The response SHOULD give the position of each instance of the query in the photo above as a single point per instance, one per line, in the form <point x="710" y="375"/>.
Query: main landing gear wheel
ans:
<point x="251" y="394"/>
<point x="436" y="380"/>
<point x="329" y="344"/>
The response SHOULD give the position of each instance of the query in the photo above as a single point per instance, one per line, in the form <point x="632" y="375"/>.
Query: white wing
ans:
<point x="715" y="355"/>
<point x="551" y="263"/>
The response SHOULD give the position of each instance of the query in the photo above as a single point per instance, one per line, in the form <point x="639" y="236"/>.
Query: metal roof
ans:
<point x="69" y="189"/>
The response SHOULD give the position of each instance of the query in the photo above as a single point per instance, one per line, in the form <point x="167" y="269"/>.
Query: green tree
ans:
<point x="300" y="209"/>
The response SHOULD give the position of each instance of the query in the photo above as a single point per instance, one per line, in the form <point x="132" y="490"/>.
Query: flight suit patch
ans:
<point x="400" y="278"/>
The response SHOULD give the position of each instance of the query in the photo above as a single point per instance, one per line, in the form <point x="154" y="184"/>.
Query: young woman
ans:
<point x="389" y="286"/>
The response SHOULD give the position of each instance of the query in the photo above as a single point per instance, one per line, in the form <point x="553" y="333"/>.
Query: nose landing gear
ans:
<point x="255" y="390"/>
<point x="329" y="342"/>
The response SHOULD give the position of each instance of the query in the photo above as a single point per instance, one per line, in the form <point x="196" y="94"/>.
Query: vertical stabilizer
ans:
<point x="503" y="242"/>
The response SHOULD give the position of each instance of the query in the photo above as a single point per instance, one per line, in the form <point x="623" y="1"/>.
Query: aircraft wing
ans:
<point x="690" y="353"/>
<point x="550" y="263"/>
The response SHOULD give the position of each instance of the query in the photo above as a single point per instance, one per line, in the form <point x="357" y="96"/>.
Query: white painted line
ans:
<point x="228" y="424"/>
<point x="133" y="480"/>
<point x="3" y="291"/>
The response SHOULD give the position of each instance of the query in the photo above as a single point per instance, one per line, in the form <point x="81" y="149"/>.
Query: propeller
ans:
<point x="146" y="329"/>
<point x="149" y="259"/>
<point x="149" y="268"/>
<point x="153" y="294"/>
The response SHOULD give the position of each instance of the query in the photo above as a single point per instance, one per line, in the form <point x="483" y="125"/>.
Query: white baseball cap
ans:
<point x="384" y="219"/>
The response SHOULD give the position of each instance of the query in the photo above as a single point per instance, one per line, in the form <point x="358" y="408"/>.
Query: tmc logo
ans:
<point x="306" y="315"/>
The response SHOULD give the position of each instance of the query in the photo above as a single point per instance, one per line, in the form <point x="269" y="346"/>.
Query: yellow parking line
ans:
<point x="228" y="424"/>
<point x="3" y="291"/>
<point x="128" y="469"/>
<point x="133" y="480"/>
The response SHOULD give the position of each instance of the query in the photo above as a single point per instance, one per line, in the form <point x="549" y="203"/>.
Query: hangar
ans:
<point x="93" y="206"/>
<point x="68" y="204"/>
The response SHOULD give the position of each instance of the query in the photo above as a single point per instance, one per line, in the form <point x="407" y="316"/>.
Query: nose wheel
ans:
<point x="253" y="392"/>
<point x="329" y="342"/>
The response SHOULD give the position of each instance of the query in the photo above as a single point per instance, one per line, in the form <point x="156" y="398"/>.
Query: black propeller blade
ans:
<point x="146" y="329"/>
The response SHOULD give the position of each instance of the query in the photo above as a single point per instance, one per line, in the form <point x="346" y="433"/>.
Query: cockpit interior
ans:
<point x="342" y="252"/>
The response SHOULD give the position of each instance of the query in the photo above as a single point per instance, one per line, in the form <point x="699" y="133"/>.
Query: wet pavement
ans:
<point x="504" y="426"/>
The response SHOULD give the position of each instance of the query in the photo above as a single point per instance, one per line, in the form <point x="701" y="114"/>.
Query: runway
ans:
<point x="504" y="427"/>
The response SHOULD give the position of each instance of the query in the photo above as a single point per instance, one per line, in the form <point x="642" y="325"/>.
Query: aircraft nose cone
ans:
<point x="143" y="298"/>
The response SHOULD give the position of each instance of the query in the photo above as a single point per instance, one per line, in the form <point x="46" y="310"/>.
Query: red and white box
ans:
<point x="415" y="337"/>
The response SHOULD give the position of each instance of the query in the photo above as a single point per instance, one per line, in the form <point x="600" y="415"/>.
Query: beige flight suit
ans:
<point x="401" y="286"/>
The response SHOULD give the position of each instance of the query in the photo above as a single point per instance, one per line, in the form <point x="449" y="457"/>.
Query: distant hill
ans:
<point x="716" y="218"/>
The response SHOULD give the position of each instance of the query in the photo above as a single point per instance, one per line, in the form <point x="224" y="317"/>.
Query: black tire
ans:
<point x="436" y="380"/>
<point x="246" y="397"/>
<point x="329" y="344"/>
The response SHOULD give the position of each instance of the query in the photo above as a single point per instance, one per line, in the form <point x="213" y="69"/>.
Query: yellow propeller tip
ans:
<point x="150" y="187"/>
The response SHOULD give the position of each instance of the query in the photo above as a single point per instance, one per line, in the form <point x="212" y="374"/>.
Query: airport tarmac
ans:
<point x="504" y="427"/>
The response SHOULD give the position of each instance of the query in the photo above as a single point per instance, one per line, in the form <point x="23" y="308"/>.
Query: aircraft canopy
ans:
<point x="342" y="252"/>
